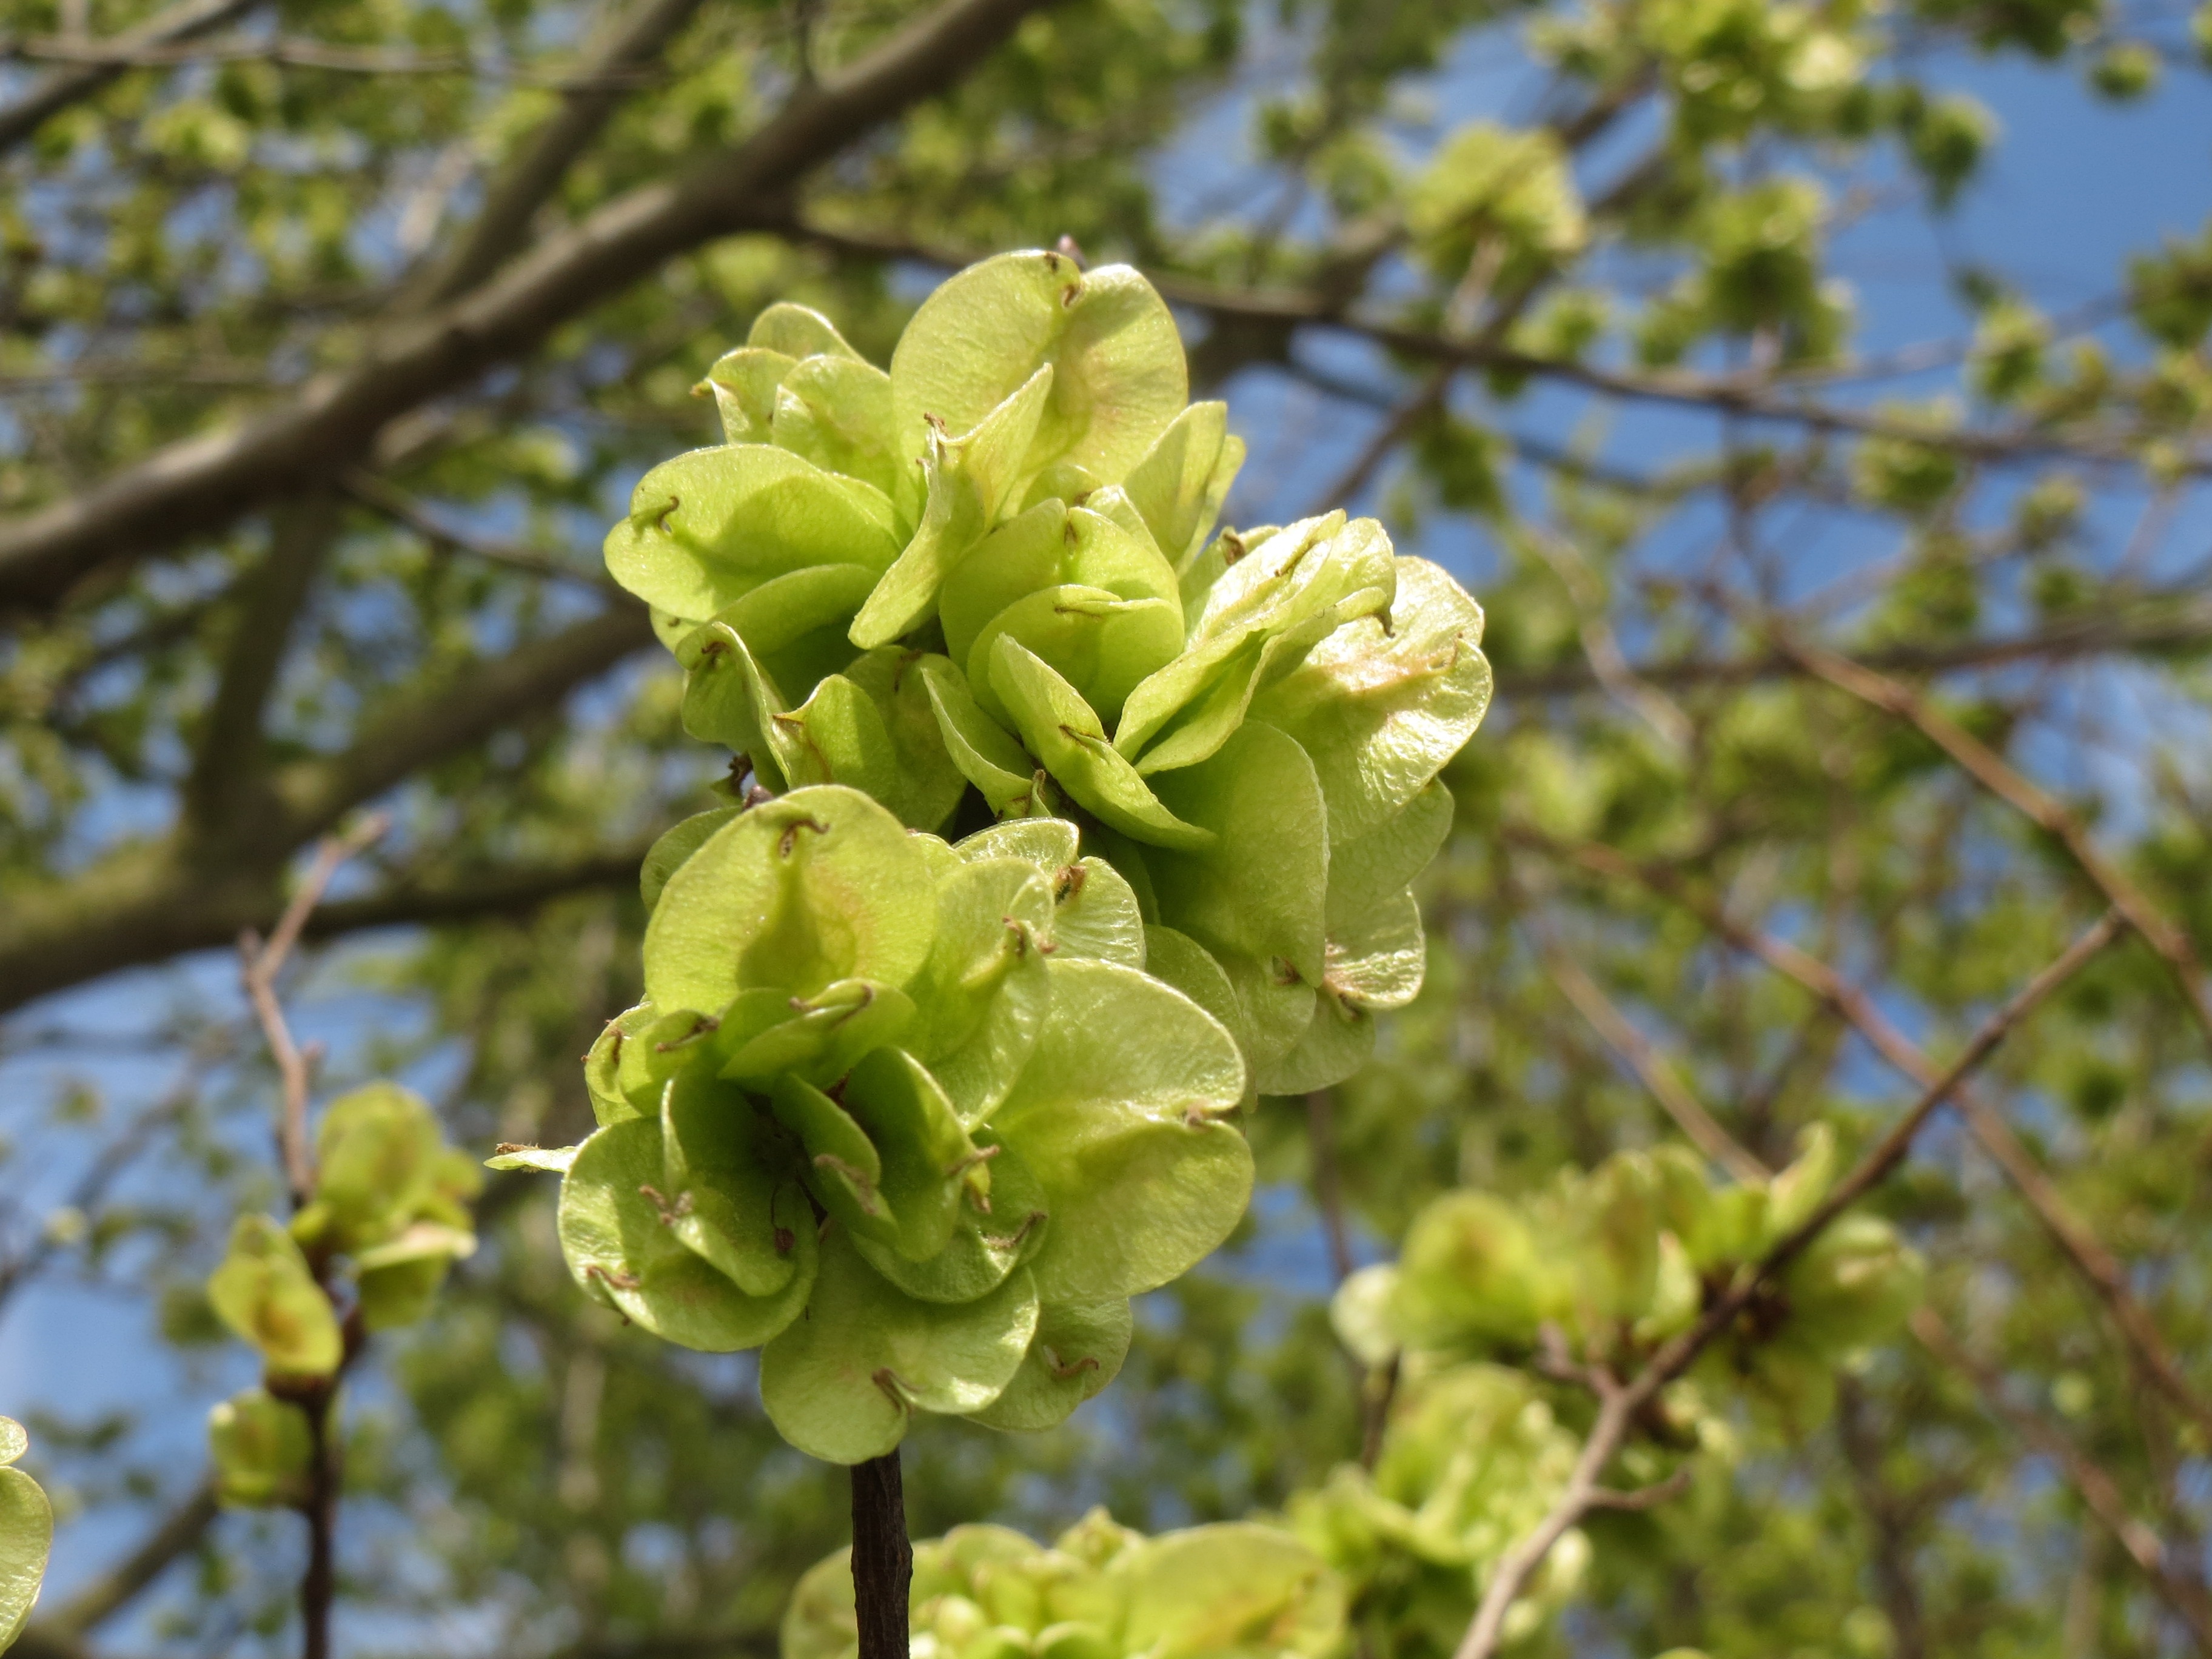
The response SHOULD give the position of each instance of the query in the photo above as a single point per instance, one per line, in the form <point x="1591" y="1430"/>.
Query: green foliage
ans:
<point x="26" y="1534"/>
<point x="1239" y="1591"/>
<point x="261" y="1447"/>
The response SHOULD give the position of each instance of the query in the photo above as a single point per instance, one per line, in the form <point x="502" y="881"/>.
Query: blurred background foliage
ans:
<point x="1686" y="332"/>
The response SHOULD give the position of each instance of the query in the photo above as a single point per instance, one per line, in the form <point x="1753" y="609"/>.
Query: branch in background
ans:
<point x="59" y="90"/>
<point x="121" y="1584"/>
<point x="2095" y="635"/>
<point x="392" y="503"/>
<point x="535" y="171"/>
<point x="2101" y="1271"/>
<point x="2169" y="1575"/>
<point x="1643" y="1057"/>
<point x="1887" y="1516"/>
<point x="1619" y="1405"/>
<point x="206" y="483"/>
<point x="232" y="750"/>
<point x="260" y="963"/>
<point x="285" y="52"/>
<point x="1990" y="769"/>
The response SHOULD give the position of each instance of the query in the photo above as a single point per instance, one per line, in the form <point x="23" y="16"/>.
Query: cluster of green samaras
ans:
<point x="391" y="1201"/>
<point x="909" y="1113"/>
<point x="1100" y="1591"/>
<point x="1601" y="1268"/>
<point x="994" y="568"/>
<point x="1472" y="1460"/>
<point x="27" y="1533"/>
<point x="917" y="1112"/>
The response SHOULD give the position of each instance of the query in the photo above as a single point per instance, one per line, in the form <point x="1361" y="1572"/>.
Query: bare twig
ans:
<point x="1990" y="769"/>
<point x="396" y="504"/>
<point x="259" y="964"/>
<point x="1619" y="1405"/>
<point x="2169" y="1574"/>
<point x="1651" y="1067"/>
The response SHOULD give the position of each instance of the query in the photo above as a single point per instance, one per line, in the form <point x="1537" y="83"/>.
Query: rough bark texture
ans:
<point x="882" y="1559"/>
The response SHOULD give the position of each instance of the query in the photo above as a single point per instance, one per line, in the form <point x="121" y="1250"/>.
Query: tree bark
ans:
<point x="882" y="1559"/>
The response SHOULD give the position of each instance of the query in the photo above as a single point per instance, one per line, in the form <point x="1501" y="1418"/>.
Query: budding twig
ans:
<point x="1619" y="1407"/>
<point x="259" y="963"/>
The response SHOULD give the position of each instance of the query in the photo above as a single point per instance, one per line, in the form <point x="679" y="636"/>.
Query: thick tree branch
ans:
<point x="204" y="483"/>
<point x="65" y="86"/>
<point x="232" y="748"/>
<point x="149" y="900"/>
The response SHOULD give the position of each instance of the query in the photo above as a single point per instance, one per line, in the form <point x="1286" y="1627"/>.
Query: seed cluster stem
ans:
<point x="882" y="1557"/>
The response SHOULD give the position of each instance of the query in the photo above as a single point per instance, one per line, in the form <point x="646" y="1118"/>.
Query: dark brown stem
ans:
<point x="882" y="1559"/>
<point x="319" y="1584"/>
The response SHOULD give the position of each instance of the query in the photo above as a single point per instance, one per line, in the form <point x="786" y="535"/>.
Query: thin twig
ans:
<point x="2168" y="1573"/>
<point x="259" y="963"/>
<point x="1651" y="1067"/>
<point x="2103" y="1272"/>
<point x="1990" y="769"/>
<point x="1619" y="1405"/>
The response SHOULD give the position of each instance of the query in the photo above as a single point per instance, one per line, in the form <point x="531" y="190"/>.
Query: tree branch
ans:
<point x="2170" y="1577"/>
<point x="1990" y="769"/>
<point x="260" y="963"/>
<point x="58" y="91"/>
<point x="2096" y="636"/>
<point x="1619" y="1405"/>
<point x="233" y="748"/>
<point x="204" y="483"/>
<point x="2102" y="1272"/>
<point x="535" y="171"/>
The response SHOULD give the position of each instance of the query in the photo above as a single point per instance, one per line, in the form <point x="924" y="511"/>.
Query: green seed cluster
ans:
<point x="992" y="569"/>
<point x="909" y="1116"/>
<point x="1601" y="1268"/>
<point x="1237" y="1590"/>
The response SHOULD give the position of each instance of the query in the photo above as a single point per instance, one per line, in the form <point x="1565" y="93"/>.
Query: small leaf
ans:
<point x="983" y="994"/>
<point x="970" y="480"/>
<point x="265" y="1293"/>
<point x="666" y="855"/>
<point x="26" y="1538"/>
<point x="986" y="754"/>
<point x="799" y="332"/>
<point x="1183" y="479"/>
<point x="1102" y="644"/>
<point x="795" y="624"/>
<point x="401" y="1293"/>
<point x="707" y="527"/>
<point x="1260" y="886"/>
<point x="836" y="411"/>
<point x="1062" y="730"/>
<point x="263" y="1449"/>
<point x="729" y="698"/>
<point x="793" y="895"/>
<point x="1119" y="380"/>
<point x="842" y="1383"/>
<point x="986" y="1245"/>
<point x="1381" y="713"/>
<point x="726" y="1193"/>
<point x="1077" y="1350"/>
<point x="603" y="1064"/>
<point x="1119" y="1113"/>
<point x="623" y="1253"/>
<point x="925" y="1150"/>
<point x="377" y="1153"/>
